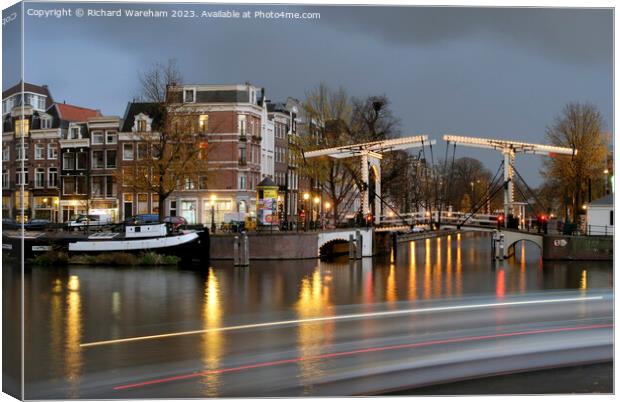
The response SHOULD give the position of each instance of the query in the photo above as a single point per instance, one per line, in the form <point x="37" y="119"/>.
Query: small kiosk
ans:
<point x="267" y="205"/>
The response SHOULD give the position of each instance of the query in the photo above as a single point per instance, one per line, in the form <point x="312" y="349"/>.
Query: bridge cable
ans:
<point x="486" y="197"/>
<point x="494" y="181"/>
<point x="545" y="207"/>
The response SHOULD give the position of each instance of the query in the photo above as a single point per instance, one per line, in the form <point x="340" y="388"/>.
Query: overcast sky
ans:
<point x="499" y="73"/>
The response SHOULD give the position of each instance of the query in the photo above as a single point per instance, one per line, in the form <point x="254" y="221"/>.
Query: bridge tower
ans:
<point x="371" y="155"/>
<point x="509" y="149"/>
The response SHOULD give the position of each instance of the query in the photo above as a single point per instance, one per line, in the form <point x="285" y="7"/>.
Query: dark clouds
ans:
<point x="502" y="73"/>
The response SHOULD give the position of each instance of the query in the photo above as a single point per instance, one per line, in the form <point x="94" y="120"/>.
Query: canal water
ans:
<point x="65" y="307"/>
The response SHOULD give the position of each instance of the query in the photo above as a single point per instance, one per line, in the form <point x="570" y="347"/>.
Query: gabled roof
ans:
<point x="75" y="113"/>
<point x="603" y="201"/>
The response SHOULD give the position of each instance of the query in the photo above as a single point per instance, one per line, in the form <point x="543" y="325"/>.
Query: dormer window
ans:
<point x="46" y="122"/>
<point x="74" y="133"/>
<point x="141" y="125"/>
<point x="189" y="95"/>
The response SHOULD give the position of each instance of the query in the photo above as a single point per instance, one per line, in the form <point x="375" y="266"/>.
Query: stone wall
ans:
<point x="268" y="246"/>
<point x="578" y="248"/>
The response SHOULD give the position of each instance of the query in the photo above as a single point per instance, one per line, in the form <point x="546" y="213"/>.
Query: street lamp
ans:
<point x="306" y="218"/>
<point x="606" y="171"/>
<point x="316" y="201"/>
<point x="327" y="205"/>
<point x="213" y="198"/>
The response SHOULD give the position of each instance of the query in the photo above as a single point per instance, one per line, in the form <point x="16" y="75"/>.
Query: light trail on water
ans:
<point x="379" y="314"/>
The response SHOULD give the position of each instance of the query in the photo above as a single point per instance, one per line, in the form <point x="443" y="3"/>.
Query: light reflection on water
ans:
<point x="212" y="342"/>
<point x="136" y="301"/>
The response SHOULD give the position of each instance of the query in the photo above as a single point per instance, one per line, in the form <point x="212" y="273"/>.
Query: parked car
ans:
<point x="90" y="220"/>
<point x="9" y="224"/>
<point x="142" y="219"/>
<point x="37" y="224"/>
<point x="175" y="221"/>
<point x="417" y="229"/>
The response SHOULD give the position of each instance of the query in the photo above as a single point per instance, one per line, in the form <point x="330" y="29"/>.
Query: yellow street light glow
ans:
<point x="317" y="200"/>
<point x="584" y="206"/>
<point x="328" y="205"/>
<point x="606" y="171"/>
<point x="306" y="196"/>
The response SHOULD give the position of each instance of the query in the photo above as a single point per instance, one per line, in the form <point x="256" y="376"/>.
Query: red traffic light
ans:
<point x="500" y="218"/>
<point x="369" y="217"/>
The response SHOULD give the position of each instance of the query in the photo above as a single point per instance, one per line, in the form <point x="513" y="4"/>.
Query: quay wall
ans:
<point x="557" y="247"/>
<point x="268" y="246"/>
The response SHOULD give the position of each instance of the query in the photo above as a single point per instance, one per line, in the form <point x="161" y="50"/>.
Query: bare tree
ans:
<point x="579" y="126"/>
<point x="327" y="117"/>
<point x="174" y="152"/>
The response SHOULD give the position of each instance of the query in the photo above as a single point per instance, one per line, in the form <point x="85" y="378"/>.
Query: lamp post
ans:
<point x="606" y="171"/>
<point x="328" y="205"/>
<point x="317" y="201"/>
<point x="213" y="198"/>
<point x="306" y="220"/>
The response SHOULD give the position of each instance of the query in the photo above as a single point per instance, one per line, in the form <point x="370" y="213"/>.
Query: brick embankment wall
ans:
<point x="268" y="246"/>
<point x="578" y="248"/>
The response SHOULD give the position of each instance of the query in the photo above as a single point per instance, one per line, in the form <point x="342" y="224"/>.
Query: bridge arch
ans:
<point x="340" y="236"/>
<point x="334" y="248"/>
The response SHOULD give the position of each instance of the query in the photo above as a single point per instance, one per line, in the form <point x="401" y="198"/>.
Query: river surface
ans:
<point x="68" y="307"/>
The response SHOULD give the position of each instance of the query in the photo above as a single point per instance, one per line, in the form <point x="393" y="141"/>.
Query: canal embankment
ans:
<point x="578" y="248"/>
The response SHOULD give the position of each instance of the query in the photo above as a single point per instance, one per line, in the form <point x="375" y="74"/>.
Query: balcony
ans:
<point x="75" y="143"/>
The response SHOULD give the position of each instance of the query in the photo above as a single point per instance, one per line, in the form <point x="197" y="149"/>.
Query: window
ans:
<point x="39" y="177"/>
<point x="110" y="186"/>
<point x="40" y="102"/>
<point x="52" y="151"/>
<point x="68" y="161"/>
<point x="82" y="185"/>
<point x="189" y="183"/>
<point x="22" y="151"/>
<point x="127" y="152"/>
<point x="6" y="153"/>
<point x="39" y="151"/>
<point x="111" y="137"/>
<point x="242" y="125"/>
<point x="98" y="157"/>
<point x="81" y="159"/>
<point x="74" y="133"/>
<point x="22" y="128"/>
<point x="241" y="181"/>
<point x="46" y="122"/>
<point x="203" y="122"/>
<point x="154" y="151"/>
<point x="52" y="177"/>
<point x="98" y="184"/>
<point x="97" y="138"/>
<point x="202" y="182"/>
<point x="110" y="158"/>
<point x="173" y="208"/>
<point x="68" y="185"/>
<point x="5" y="179"/>
<point x="189" y="95"/>
<point x="141" y="125"/>
<point x="155" y="203"/>
<point x="21" y="176"/>
<point x="141" y="150"/>
<point x="242" y="155"/>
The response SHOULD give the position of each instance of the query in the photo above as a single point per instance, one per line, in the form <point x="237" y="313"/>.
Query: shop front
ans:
<point x="105" y="207"/>
<point x="46" y="207"/>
